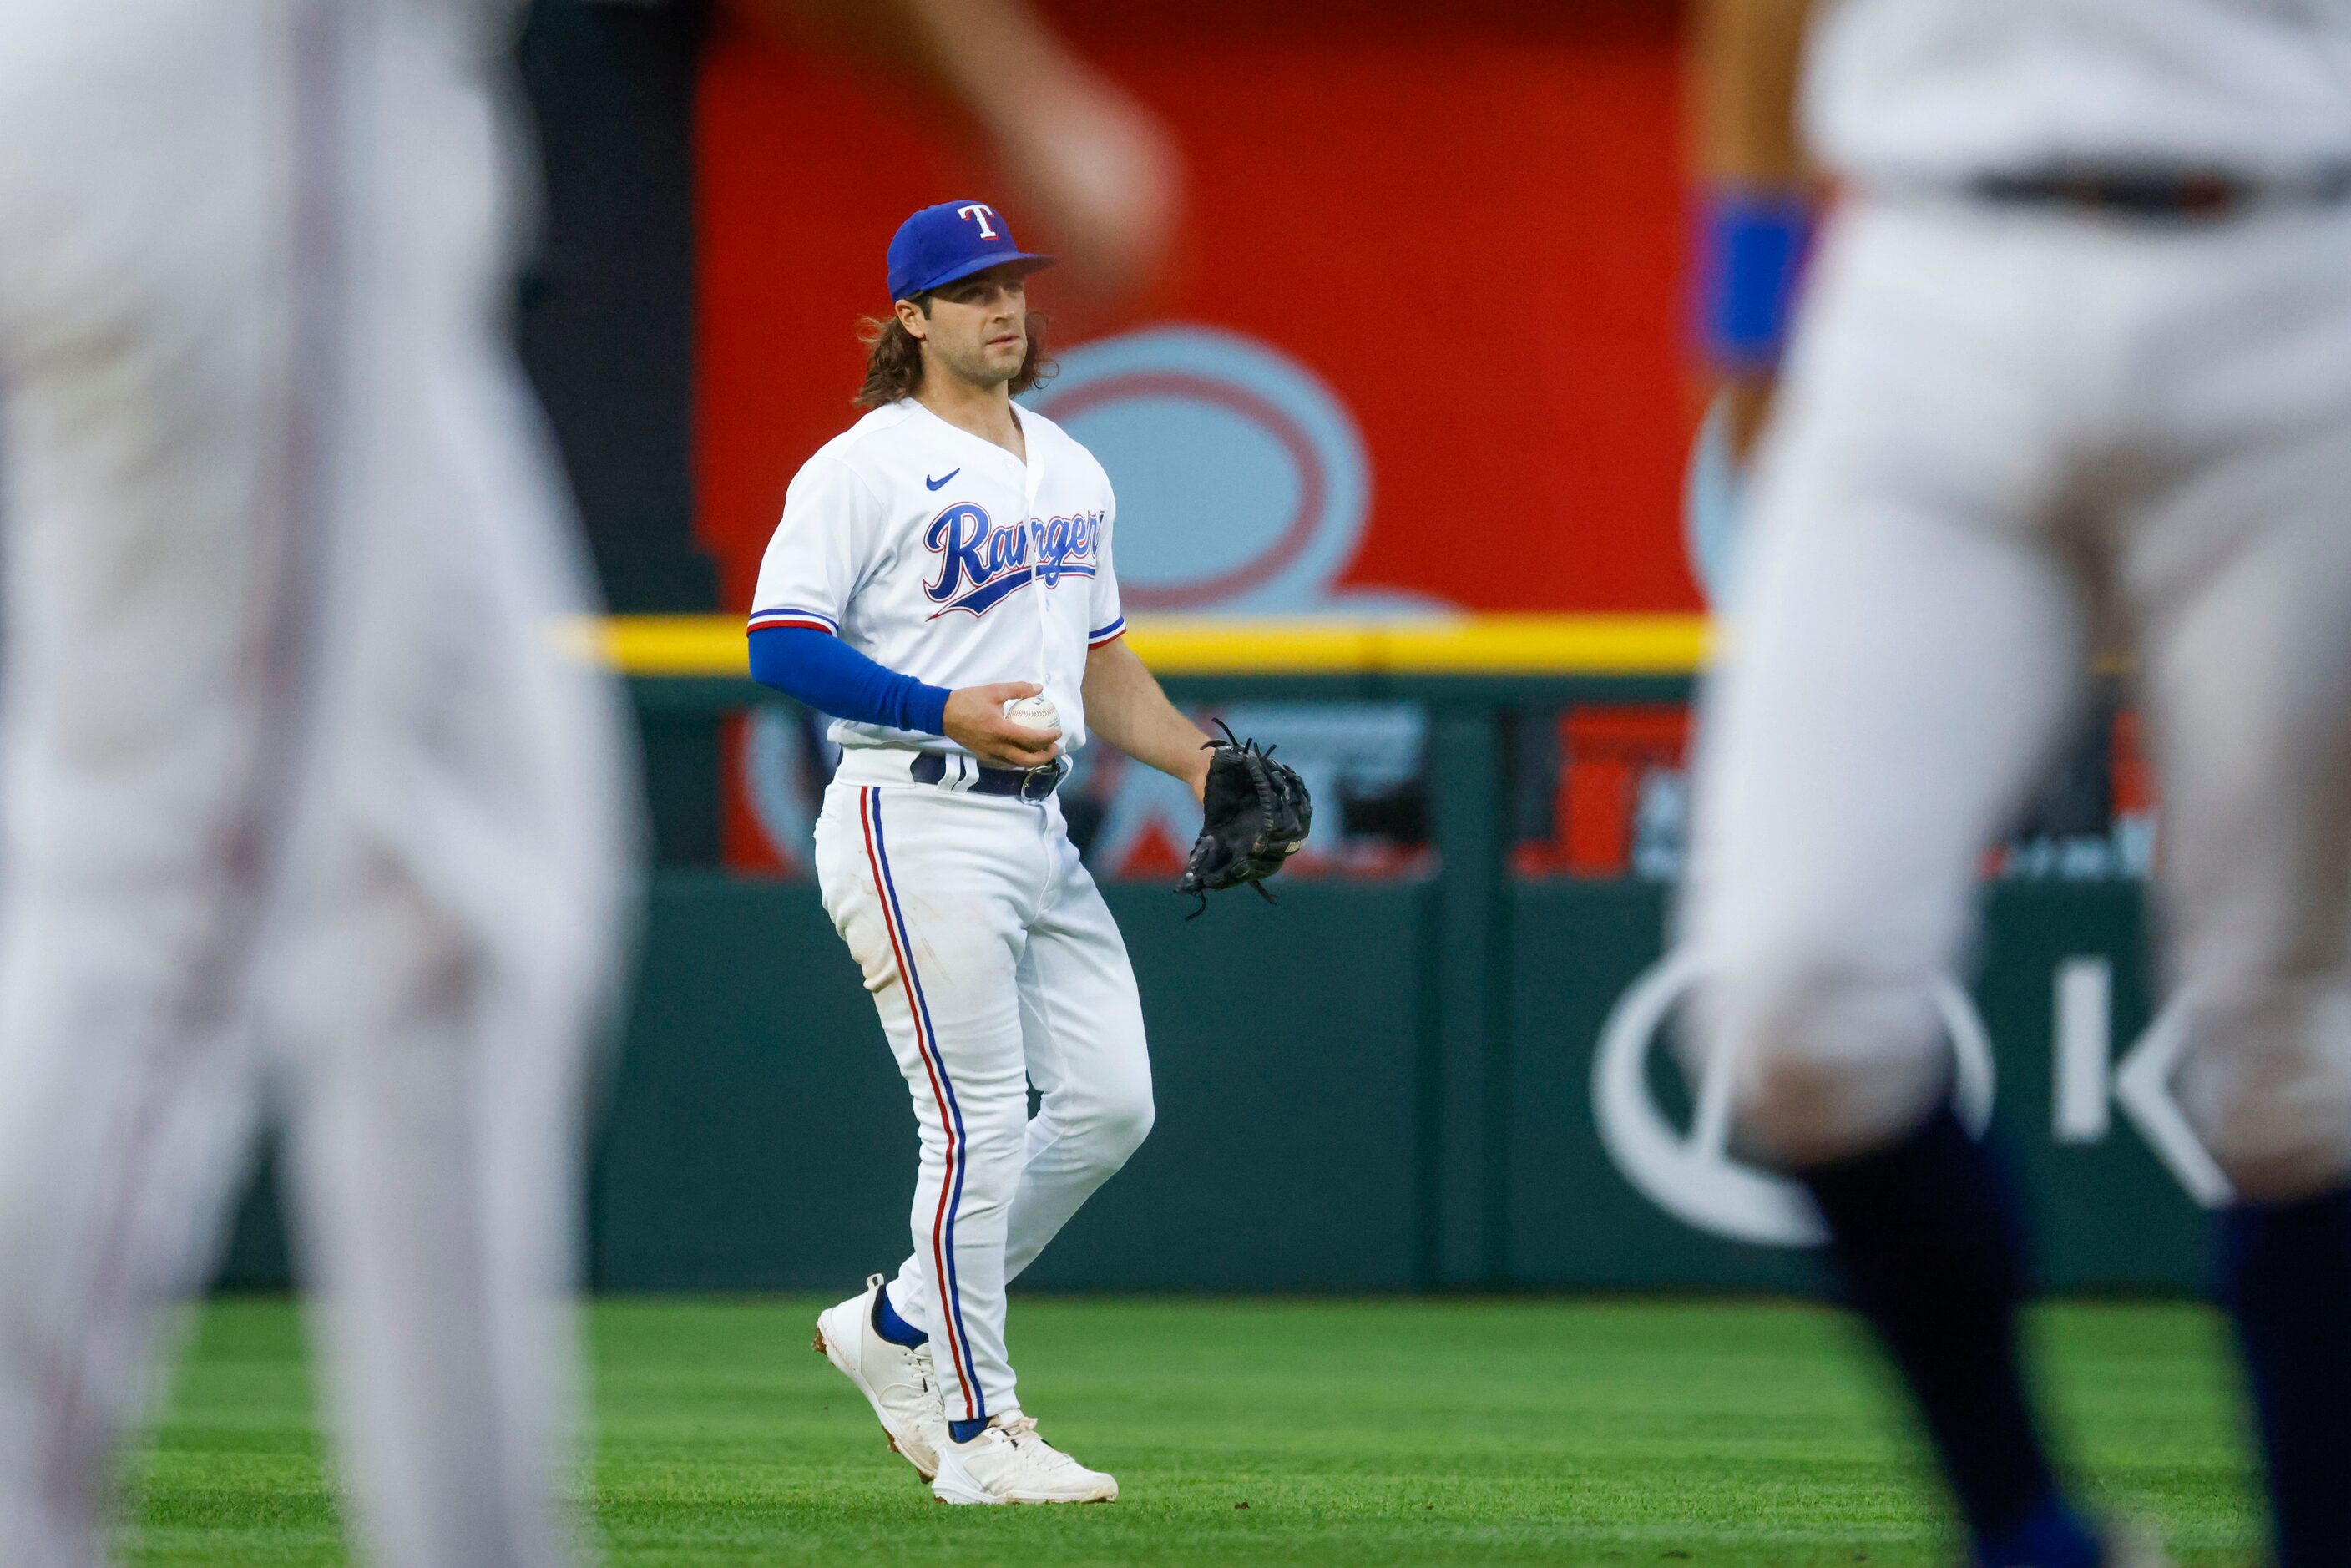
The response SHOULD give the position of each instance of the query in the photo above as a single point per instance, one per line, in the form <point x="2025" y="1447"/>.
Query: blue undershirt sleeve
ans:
<point x="831" y="676"/>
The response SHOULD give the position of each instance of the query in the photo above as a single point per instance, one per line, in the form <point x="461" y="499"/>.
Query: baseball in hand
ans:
<point x="1034" y="713"/>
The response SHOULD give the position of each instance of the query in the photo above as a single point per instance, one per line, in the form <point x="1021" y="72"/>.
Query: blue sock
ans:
<point x="891" y="1326"/>
<point x="2052" y="1536"/>
<point x="2285" y="1275"/>
<point x="1926" y="1237"/>
<point x="965" y="1431"/>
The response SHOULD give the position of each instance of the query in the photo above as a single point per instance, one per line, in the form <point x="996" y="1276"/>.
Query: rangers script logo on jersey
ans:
<point x="982" y="563"/>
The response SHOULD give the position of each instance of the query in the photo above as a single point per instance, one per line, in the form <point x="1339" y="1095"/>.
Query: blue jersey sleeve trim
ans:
<point x="1097" y="637"/>
<point x="818" y="669"/>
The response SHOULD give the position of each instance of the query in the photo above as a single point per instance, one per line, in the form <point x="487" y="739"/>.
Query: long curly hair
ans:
<point x="893" y="359"/>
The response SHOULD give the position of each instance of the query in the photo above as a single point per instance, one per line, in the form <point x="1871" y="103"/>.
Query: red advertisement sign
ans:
<point x="1427" y="315"/>
<point x="1422" y="350"/>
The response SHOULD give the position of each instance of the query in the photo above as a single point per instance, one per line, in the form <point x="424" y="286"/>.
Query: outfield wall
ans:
<point x="1311" y="1134"/>
<point x="1457" y="1076"/>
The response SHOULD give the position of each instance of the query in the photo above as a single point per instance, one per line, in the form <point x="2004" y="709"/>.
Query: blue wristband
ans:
<point x="1754" y="245"/>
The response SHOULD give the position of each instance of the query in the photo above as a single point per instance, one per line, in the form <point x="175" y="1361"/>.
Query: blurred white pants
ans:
<point x="995" y="965"/>
<point x="2007" y="439"/>
<point x="304" y="814"/>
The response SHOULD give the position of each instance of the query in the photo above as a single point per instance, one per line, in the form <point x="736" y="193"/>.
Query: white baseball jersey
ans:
<point x="942" y="555"/>
<point x="1909" y="90"/>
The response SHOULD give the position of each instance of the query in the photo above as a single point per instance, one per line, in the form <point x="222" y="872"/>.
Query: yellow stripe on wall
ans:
<point x="1205" y="645"/>
<point x="676" y="645"/>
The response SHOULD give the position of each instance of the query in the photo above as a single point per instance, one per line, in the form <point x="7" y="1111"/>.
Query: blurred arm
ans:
<point x="1750" y="57"/>
<point x="1125" y="707"/>
<point x="1756" y="187"/>
<point x="1093" y="164"/>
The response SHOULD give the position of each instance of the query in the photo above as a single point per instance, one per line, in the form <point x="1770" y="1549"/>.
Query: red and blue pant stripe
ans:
<point x="943" y="1258"/>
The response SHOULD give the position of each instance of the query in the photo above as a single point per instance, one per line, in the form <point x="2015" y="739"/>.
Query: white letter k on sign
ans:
<point x="2140" y="1083"/>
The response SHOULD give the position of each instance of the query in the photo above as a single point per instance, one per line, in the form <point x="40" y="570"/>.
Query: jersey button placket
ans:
<point x="1032" y="477"/>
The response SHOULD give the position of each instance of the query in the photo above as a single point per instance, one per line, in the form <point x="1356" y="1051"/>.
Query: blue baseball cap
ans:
<point x="952" y="240"/>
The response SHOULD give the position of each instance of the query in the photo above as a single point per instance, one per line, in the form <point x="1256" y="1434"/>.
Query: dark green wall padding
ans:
<point x="757" y="1134"/>
<point x="760" y="1135"/>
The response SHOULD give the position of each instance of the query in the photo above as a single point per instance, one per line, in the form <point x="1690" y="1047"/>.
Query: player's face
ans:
<point x="977" y="328"/>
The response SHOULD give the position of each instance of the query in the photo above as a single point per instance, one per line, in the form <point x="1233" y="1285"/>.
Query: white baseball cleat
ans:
<point x="897" y="1382"/>
<point x="2134" y="1546"/>
<point x="1008" y="1462"/>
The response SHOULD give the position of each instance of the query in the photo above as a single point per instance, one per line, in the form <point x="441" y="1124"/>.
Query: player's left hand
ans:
<point x="1256" y="814"/>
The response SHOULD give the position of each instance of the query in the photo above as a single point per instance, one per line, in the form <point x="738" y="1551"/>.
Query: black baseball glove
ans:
<point x="1257" y="813"/>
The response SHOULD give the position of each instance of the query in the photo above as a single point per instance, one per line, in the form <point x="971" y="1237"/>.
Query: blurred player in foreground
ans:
<point x="306" y="816"/>
<point x="2075" y="361"/>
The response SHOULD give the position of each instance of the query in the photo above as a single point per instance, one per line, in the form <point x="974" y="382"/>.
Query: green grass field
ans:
<point x="1293" y="1432"/>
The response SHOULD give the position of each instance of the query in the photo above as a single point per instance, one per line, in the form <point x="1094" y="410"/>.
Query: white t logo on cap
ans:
<point x="979" y="212"/>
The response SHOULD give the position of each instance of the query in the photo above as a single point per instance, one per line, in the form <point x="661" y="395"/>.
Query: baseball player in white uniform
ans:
<point x="2073" y="371"/>
<point x="947" y="559"/>
<point x="306" y="811"/>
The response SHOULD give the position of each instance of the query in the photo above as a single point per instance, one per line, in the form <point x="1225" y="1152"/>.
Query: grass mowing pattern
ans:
<point x="1356" y="1433"/>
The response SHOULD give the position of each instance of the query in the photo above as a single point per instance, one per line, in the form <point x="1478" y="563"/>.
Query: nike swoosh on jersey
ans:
<point x="942" y="479"/>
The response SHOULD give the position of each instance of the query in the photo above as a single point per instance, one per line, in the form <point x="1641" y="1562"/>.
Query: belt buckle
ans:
<point x="1050" y="776"/>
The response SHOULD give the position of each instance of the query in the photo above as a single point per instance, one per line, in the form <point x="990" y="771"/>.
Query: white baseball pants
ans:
<point x="995" y="965"/>
<point x="303" y="813"/>
<point x="2007" y="439"/>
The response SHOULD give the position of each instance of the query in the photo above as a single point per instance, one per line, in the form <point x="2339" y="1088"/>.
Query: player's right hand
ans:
<point x="975" y="720"/>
